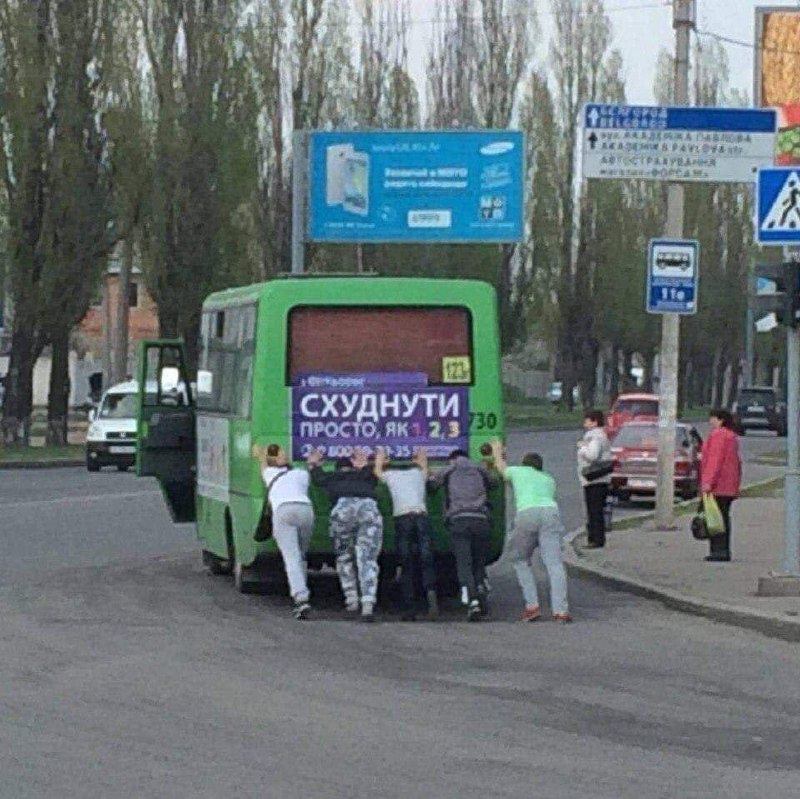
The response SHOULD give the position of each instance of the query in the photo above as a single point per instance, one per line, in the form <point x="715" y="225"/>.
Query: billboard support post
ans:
<point x="299" y="199"/>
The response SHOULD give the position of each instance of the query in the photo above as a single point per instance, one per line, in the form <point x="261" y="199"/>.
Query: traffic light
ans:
<point x="778" y="292"/>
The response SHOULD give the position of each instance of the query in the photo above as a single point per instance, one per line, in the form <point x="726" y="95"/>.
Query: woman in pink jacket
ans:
<point x="721" y="476"/>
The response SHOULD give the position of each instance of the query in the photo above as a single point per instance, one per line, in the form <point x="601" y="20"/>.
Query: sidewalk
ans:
<point x="669" y="567"/>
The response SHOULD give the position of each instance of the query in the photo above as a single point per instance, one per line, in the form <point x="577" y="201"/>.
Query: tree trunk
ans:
<point x="18" y="402"/>
<point x="120" y="359"/>
<point x="108" y="351"/>
<point x="613" y="385"/>
<point x="58" y="397"/>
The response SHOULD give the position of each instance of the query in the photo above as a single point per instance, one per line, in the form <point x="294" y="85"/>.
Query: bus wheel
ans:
<point x="243" y="578"/>
<point x="215" y="565"/>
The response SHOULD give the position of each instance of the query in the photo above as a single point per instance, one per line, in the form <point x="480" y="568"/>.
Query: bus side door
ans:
<point x="166" y="432"/>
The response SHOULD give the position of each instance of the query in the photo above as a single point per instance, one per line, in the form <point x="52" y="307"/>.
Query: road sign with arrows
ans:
<point x="700" y="145"/>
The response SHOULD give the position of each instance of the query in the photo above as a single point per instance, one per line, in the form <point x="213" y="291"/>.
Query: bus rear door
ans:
<point x="166" y="432"/>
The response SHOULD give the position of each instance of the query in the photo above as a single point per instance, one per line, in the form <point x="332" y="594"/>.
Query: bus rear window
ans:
<point x="388" y="339"/>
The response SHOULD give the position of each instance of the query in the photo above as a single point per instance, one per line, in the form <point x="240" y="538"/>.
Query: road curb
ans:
<point x="6" y="465"/>
<point x="735" y="615"/>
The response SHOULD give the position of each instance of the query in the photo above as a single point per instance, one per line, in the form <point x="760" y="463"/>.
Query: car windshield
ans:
<point x="118" y="406"/>
<point x="646" y="437"/>
<point x="638" y="407"/>
<point x="757" y="397"/>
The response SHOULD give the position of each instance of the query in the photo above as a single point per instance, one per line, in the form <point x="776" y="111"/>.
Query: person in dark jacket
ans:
<point x="721" y="476"/>
<point x="468" y="518"/>
<point x="356" y="527"/>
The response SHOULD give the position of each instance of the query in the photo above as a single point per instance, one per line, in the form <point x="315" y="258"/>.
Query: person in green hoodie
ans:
<point x="537" y="525"/>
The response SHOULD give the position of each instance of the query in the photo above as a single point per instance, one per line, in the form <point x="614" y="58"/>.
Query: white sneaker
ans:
<point x="351" y="605"/>
<point x="367" y="611"/>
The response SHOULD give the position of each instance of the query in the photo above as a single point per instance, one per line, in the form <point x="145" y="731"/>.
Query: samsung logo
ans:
<point x="497" y="148"/>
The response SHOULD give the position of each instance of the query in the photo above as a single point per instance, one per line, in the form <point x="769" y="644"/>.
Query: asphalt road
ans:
<point x="126" y="670"/>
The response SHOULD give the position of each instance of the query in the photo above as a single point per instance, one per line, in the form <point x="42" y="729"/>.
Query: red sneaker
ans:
<point x="531" y="614"/>
<point x="563" y="618"/>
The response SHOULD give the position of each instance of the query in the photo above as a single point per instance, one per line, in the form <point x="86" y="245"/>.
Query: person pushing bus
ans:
<point x="356" y="526"/>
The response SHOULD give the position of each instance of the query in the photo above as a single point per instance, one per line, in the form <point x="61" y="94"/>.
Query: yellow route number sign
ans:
<point x="457" y="369"/>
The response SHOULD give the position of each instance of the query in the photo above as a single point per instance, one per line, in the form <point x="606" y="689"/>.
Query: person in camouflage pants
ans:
<point x="357" y="532"/>
<point x="356" y="527"/>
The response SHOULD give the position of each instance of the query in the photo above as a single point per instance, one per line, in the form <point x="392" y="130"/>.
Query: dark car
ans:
<point x="760" y="408"/>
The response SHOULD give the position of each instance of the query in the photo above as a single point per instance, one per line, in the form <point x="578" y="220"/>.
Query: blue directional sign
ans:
<point x="778" y="206"/>
<point x="417" y="186"/>
<point x="672" y="276"/>
<point x="704" y="145"/>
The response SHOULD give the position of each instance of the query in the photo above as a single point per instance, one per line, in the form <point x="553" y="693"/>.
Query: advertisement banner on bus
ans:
<point x="400" y="417"/>
<point x="777" y="75"/>
<point x="417" y="186"/>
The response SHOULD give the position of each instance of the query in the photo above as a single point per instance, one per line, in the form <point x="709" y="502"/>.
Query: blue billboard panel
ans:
<point x="423" y="186"/>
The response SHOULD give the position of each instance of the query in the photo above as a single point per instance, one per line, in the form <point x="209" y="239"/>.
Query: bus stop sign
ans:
<point x="672" y="274"/>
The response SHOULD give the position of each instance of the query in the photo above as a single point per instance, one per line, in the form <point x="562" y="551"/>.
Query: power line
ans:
<point x="741" y="43"/>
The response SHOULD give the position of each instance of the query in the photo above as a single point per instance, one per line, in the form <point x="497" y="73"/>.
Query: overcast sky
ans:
<point x="640" y="32"/>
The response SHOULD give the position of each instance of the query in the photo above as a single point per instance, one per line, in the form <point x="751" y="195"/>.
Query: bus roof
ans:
<point x="355" y="289"/>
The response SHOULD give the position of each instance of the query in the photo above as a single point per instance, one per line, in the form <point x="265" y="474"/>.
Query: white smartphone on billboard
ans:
<point x="335" y="167"/>
<point x="356" y="184"/>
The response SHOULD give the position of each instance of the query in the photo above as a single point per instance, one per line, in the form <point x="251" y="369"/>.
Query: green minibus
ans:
<point x="322" y="362"/>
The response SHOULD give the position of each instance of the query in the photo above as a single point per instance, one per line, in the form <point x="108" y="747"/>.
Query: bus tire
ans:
<point x="215" y="565"/>
<point x="242" y="578"/>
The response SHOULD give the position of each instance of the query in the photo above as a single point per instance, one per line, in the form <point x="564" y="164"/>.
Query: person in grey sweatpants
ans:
<point x="537" y="525"/>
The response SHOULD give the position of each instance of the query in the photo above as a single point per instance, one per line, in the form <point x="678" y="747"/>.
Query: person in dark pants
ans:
<point x="593" y="449"/>
<point x="412" y="528"/>
<point x="468" y="517"/>
<point x="721" y="469"/>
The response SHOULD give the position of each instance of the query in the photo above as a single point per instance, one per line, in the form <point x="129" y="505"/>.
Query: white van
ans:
<point x="111" y="439"/>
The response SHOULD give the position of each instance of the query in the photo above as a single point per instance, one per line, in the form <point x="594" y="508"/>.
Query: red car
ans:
<point x="631" y="408"/>
<point x="635" y="451"/>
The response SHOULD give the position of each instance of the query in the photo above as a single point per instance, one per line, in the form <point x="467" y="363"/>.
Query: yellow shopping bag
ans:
<point x="714" y="521"/>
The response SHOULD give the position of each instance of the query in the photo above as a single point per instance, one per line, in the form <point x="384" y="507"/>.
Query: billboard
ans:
<point x="777" y="75"/>
<point x="416" y="186"/>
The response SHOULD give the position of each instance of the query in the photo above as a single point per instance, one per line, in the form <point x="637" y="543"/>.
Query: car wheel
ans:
<point x="92" y="466"/>
<point x="122" y="468"/>
<point x="782" y="432"/>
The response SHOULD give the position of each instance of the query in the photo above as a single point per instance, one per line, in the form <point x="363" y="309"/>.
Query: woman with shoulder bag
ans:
<point x="721" y="477"/>
<point x="595" y="464"/>
<point x="292" y="519"/>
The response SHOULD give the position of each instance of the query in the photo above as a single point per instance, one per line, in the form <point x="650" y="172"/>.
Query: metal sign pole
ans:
<point x="791" y="545"/>
<point x="299" y="199"/>
<point x="683" y="21"/>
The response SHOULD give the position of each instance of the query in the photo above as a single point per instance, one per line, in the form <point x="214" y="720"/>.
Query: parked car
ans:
<point x="760" y="408"/>
<point x="630" y="408"/>
<point x="111" y="439"/>
<point x="635" y="451"/>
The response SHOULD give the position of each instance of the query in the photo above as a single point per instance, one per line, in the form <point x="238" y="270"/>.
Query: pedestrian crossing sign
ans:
<point x="778" y="206"/>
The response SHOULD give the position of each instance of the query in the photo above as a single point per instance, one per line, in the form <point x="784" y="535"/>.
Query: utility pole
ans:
<point x="683" y="21"/>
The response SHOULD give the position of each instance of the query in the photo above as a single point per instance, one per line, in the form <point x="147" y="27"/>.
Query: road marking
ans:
<point x="73" y="500"/>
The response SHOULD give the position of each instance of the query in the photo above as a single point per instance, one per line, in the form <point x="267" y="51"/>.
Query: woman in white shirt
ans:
<point x="292" y="519"/>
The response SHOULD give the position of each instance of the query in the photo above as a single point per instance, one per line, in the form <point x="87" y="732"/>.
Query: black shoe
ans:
<point x="593" y="545"/>
<point x="718" y="558"/>
<point x="474" y="611"/>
